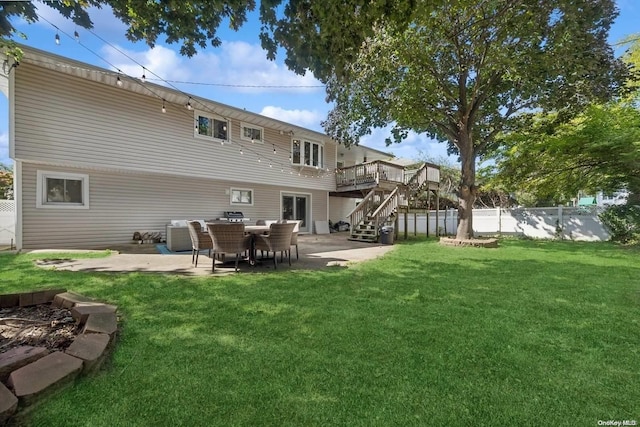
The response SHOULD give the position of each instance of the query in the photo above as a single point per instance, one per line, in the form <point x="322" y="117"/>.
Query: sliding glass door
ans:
<point x="297" y="207"/>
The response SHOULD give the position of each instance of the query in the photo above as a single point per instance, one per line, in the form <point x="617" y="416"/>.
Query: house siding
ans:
<point x="64" y="120"/>
<point x="122" y="203"/>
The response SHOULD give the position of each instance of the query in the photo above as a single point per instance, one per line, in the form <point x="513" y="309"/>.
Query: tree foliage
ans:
<point x="322" y="36"/>
<point x="6" y="182"/>
<point x="465" y="70"/>
<point x="598" y="150"/>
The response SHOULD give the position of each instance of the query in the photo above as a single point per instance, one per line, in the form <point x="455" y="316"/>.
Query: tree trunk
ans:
<point x="468" y="188"/>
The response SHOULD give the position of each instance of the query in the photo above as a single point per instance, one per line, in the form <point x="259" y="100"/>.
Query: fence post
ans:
<point x="560" y="223"/>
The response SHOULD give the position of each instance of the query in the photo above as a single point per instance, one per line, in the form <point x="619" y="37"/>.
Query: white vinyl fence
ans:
<point x="540" y="223"/>
<point x="7" y="222"/>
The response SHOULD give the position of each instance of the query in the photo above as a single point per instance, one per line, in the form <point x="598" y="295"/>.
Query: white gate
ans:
<point x="7" y="222"/>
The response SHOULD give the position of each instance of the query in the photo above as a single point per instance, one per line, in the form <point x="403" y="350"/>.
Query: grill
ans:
<point x="234" y="216"/>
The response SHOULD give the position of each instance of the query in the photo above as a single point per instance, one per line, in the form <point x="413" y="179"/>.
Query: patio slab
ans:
<point x="316" y="251"/>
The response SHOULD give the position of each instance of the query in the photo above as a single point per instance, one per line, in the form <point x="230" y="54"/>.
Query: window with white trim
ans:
<point x="211" y="126"/>
<point x="62" y="190"/>
<point x="307" y="153"/>
<point x="251" y="133"/>
<point x="242" y="196"/>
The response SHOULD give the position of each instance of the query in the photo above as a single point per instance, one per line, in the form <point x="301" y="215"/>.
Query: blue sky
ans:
<point x="239" y="62"/>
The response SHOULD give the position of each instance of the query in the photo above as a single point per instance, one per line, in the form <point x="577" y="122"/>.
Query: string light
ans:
<point x="119" y="80"/>
<point x="76" y="35"/>
<point x="57" y="38"/>
<point x="164" y="109"/>
<point x="241" y="152"/>
<point x="274" y="149"/>
<point x="188" y="105"/>
<point x="144" y="77"/>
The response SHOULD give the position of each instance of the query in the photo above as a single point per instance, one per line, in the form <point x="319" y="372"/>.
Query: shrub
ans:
<point x="623" y="222"/>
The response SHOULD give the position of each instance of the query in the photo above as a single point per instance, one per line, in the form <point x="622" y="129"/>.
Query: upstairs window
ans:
<point x="307" y="153"/>
<point x="211" y="126"/>
<point x="251" y="133"/>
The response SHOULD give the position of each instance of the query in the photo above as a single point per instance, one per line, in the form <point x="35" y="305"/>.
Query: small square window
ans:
<point x="62" y="190"/>
<point x="251" y="133"/>
<point x="242" y="196"/>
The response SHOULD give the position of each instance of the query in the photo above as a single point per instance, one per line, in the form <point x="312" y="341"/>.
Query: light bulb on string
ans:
<point x="57" y="38"/>
<point x="119" y="81"/>
<point x="188" y="104"/>
<point x="270" y="165"/>
<point x="144" y="76"/>
<point x="76" y="35"/>
<point x="274" y="149"/>
<point x="164" y="109"/>
<point x="241" y="152"/>
<point x="259" y="160"/>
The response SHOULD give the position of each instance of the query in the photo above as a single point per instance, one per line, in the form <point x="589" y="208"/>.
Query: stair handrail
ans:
<point x="359" y="212"/>
<point x="418" y="178"/>
<point x="386" y="208"/>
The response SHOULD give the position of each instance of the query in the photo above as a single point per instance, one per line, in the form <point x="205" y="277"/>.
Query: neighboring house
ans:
<point x="99" y="156"/>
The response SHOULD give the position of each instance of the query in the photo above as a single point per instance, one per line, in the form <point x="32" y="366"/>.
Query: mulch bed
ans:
<point x="39" y="326"/>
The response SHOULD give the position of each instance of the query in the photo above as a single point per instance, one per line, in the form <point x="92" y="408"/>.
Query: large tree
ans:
<point x="465" y="70"/>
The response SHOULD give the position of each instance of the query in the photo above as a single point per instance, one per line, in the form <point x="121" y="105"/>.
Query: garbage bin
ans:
<point x="386" y="235"/>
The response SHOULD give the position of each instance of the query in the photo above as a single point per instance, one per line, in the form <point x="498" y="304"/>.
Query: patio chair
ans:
<point x="294" y="236"/>
<point x="199" y="240"/>
<point x="228" y="239"/>
<point x="278" y="240"/>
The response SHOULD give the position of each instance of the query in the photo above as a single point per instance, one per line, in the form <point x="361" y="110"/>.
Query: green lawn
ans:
<point x="532" y="333"/>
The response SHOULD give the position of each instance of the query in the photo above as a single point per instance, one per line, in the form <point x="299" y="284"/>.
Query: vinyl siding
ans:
<point x="122" y="203"/>
<point x="64" y="120"/>
<point x="340" y="207"/>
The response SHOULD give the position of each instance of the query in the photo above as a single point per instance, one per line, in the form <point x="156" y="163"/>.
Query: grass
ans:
<point x="532" y="333"/>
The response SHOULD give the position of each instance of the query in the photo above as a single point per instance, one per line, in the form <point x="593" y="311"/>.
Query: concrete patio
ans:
<point x="316" y="251"/>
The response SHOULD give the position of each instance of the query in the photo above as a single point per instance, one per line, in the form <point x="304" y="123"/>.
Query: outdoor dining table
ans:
<point x="254" y="230"/>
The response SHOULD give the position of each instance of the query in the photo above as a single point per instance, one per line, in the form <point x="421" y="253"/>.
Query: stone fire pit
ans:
<point x="47" y="339"/>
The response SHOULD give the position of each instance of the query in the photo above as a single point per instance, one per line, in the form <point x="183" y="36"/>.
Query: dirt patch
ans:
<point x="40" y="326"/>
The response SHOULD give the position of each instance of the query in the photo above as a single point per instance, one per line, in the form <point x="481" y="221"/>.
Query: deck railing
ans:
<point x="369" y="173"/>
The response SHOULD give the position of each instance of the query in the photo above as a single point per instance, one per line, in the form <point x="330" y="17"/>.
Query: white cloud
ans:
<point x="246" y="67"/>
<point x="305" y="118"/>
<point x="236" y="66"/>
<point x="104" y="22"/>
<point x="160" y="61"/>
<point x="414" y="146"/>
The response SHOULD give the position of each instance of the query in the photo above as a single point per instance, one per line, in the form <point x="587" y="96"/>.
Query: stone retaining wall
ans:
<point x="28" y="373"/>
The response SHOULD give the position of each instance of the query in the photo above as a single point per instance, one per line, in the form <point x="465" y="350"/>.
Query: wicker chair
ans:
<point x="294" y="235"/>
<point x="199" y="240"/>
<point x="278" y="240"/>
<point x="228" y="239"/>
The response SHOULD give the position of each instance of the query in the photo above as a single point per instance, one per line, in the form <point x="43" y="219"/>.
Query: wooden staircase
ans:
<point x="379" y="207"/>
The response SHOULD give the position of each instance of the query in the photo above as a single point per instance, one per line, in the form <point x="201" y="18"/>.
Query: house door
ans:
<point x="297" y="207"/>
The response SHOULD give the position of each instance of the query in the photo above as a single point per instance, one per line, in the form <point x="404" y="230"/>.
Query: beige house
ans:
<point x="99" y="156"/>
